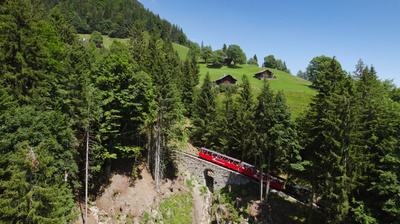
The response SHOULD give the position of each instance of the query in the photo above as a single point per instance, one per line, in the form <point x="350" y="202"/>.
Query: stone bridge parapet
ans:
<point x="214" y="176"/>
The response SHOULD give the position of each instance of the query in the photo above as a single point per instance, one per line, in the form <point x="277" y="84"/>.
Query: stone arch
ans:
<point x="209" y="179"/>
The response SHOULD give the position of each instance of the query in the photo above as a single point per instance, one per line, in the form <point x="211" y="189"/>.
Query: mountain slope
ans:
<point x="297" y="91"/>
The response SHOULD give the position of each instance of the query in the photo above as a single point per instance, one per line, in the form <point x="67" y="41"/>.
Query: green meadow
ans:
<point x="107" y="41"/>
<point x="297" y="91"/>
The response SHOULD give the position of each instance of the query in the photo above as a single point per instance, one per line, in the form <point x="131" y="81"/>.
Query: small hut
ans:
<point x="261" y="75"/>
<point x="226" y="80"/>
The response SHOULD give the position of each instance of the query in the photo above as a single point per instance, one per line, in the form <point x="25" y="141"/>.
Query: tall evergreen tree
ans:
<point x="204" y="112"/>
<point x="23" y="53"/>
<point x="329" y="127"/>
<point x="243" y="126"/>
<point x="378" y="126"/>
<point x="223" y="127"/>
<point x="263" y="113"/>
<point x="169" y="106"/>
<point x="37" y="166"/>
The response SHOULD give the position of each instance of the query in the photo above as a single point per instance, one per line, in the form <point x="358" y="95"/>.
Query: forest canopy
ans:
<point x="60" y="97"/>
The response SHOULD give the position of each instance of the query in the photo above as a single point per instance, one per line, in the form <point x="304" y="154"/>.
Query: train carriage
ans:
<point x="235" y="164"/>
<point x="219" y="158"/>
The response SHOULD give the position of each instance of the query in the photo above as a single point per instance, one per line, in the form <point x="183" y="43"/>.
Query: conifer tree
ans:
<point x="263" y="113"/>
<point x="377" y="198"/>
<point x="223" y="128"/>
<point x="37" y="166"/>
<point x="204" y="112"/>
<point x="23" y="53"/>
<point x="277" y="136"/>
<point x="329" y="127"/>
<point x="243" y="126"/>
<point x="169" y="107"/>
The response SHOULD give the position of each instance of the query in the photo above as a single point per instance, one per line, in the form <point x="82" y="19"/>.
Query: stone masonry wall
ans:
<point x="222" y="176"/>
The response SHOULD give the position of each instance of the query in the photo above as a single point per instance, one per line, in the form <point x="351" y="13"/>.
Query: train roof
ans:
<point x="221" y="154"/>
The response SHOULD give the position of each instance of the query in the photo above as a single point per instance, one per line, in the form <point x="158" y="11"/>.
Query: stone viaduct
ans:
<point x="214" y="176"/>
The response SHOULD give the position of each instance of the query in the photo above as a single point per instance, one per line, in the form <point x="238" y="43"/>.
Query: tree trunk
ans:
<point x="268" y="178"/>
<point x="157" y="152"/>
<point x="261" y="175"/>
<point x="87" y="170"/>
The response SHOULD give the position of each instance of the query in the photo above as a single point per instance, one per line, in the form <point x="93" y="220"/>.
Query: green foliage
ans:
<point x="115" y="18"/>
<point x="218" y="58"/>
<point x="37" y="161"/>
<point x="177" y="208"/>
<point x="236" y="54"/>
<point x="242" y="142"/>
<point x="271" y="62"/>
<point x="317" y="68"/>
<point x="252" y="61"/>
<point x="206" y="53"/>
<point x="297" y="91"/>
<point x="96" y="38"/>
<point x="23" y="53"/>
<point x="349" y="137"/>
<point x="204" y="111"/>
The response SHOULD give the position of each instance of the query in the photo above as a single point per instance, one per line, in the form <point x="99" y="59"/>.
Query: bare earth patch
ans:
<point x="123" y="201"/>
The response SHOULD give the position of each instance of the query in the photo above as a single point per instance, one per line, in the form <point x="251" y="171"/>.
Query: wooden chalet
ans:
<point x="226" y="80"/>
<point x="261" y="75"/>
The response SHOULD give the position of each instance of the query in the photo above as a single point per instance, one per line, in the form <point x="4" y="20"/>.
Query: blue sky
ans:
<point x="295" y="31"/>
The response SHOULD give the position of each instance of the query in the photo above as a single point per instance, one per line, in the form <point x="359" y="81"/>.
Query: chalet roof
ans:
<point x="263" y="71"/>
<point x="226" y="76"/>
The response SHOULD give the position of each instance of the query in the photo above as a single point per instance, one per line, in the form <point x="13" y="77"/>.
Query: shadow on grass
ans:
<point x="310" y="86"/>
<point x="234" y="67"/>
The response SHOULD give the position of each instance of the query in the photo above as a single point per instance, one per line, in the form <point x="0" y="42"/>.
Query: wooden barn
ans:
<point x="226" y="80"/>
<point x="261" y="75"/>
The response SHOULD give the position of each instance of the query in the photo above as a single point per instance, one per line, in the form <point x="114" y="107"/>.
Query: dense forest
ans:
<point x="115" y="18"/>
<point x="139" y="100"/>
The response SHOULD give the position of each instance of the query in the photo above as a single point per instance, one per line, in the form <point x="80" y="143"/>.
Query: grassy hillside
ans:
<point x="297" y="91"/>
<point x="182" y="50"/>
<point x="107" y="41"/>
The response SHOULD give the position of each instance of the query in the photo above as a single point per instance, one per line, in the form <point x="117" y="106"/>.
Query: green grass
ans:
<point x="182" y="50"/>
<point x="177" y="208"/>
<point x="107" y="41"/>
<point x="297" y="91"/>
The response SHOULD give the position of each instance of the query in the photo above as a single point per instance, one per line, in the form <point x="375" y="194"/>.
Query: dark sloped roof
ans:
<point x="260" y="72"/>
<point x="226" y="76"/>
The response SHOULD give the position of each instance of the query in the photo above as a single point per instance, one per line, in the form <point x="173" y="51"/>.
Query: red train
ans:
<point x="238" y="165"/>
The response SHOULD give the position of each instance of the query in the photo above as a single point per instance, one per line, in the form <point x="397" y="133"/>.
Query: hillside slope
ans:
<point x="297" y="91"/>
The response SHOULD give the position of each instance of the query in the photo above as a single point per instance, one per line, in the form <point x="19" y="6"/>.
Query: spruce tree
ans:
<point x="223" y="128"/>
<point x="204" y="112"/>
<point x="243" y="126"/>
<point x="377" y="198"/>
<point x="329" y="127"/>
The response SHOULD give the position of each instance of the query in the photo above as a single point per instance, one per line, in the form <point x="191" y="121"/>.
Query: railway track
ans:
<point x="278" y="192"/>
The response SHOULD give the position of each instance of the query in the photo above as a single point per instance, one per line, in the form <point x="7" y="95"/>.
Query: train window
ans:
<point x="225" y="159"/>
<point x="236" y="163"/>
<point x="219" y="156"/>
<point x="209" y="153"/>
<point x="214" y="155"/>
